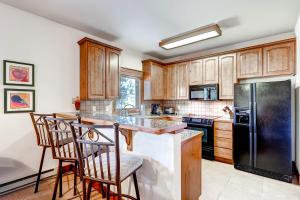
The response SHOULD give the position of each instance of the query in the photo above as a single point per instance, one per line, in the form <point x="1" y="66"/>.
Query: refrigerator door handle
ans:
<point x="254" y="135"/>
<point x="250" y="135"/>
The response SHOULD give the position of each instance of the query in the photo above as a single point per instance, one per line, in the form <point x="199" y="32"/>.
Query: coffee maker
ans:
<point x="155" y="109"/>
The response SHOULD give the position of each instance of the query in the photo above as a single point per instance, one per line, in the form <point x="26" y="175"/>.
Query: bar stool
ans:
<point x="110" y="167"/>
<point x="41" y="138"/>
<point x="62" y="146"/>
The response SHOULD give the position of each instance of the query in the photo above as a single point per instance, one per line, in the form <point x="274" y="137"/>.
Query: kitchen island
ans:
<point x="172" y="155"/>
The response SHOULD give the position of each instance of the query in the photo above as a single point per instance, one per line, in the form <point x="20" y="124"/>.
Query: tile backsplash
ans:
<point x="181" y="106"/>
<point x="212" y="108"/>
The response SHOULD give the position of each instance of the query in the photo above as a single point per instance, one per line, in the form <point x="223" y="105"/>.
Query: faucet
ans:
<point x="123" y="111"/>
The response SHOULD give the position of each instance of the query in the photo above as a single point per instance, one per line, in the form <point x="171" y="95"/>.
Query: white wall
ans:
<point x="297" y="30"/>
<point x="54" y="51"/>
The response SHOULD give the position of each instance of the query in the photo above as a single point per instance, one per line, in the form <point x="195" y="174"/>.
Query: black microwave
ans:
<point x="204" y="92"/>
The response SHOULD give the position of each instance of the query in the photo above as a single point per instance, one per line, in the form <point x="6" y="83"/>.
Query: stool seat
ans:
<point x="128" y="164"/>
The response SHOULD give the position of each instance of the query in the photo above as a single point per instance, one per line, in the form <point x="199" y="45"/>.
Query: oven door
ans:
<point x="208" y="136"/>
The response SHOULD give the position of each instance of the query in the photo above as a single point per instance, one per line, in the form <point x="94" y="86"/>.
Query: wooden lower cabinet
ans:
<point x="191" y="155"/>
<point x="223" y="143"/>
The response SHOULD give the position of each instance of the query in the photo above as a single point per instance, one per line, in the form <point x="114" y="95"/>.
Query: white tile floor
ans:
<point x="222" y="182"/>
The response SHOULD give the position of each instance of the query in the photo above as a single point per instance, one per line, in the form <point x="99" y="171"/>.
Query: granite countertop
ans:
<point x="149" y="123"/>
<point x="188" y="134"/>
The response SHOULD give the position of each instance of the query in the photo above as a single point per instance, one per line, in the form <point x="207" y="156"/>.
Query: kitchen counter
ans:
<point x="171" y="154"/>
<point x="148" y="123"/>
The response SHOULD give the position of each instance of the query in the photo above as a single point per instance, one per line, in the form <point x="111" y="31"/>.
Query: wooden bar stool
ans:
<point x="62" y="146"/>
<point x="110" y="167"/>
<point x="42" y="140"/>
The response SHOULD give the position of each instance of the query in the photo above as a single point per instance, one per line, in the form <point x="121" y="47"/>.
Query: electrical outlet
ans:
<point x="94" y="108"/>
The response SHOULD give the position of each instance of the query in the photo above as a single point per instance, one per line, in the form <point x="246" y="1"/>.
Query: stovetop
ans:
<point x="199" y="119"/>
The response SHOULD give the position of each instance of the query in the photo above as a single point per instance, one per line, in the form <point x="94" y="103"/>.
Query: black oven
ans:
<point x="206" y="126"/>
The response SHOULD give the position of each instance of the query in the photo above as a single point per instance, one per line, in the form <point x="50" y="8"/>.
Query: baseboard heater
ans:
<point x="22" y="182"/>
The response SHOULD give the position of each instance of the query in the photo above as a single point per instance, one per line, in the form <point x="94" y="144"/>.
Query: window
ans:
<point x="129" y="92"/>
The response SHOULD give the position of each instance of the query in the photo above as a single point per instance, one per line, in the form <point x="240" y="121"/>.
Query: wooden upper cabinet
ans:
<point x="227" y="76"/>
<point x="183" y="80"/>
<point x="99" y="70"/>
<point x="279" y="59"/>
<point x="157" y="81"/>
<point x="171" y="82"/>
<point x="249" y="63"/>
<point x="196" y="72"/>
<point x="210" y="70"/>
<point x="154" y="83"/>
<point x="112" y="74"/>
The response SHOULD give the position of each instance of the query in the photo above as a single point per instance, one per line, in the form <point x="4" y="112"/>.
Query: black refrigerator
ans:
<point x="262" y="135"/>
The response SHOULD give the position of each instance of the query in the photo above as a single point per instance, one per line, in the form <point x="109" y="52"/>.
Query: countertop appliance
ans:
<point x="155" y="109"/>
<point x="204" y="92"/>
<point x="169" y="110"/>
<point x="205" y="124"/>
<point x="262" y="129"/>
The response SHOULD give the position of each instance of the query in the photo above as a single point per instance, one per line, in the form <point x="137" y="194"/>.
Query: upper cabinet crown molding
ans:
<point x="86" y="39"/>
<point x="249" y="63"/>
<point x="279" y="59"/>
<point x="99" y="71"/>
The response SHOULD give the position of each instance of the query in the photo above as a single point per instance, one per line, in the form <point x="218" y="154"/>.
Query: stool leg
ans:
<point x="88" y="195"/>
<point x="75" y="178"/>
<point x="108" y="192"/>
<point x="57" y="180"/>
<point x="84" y="188"/>
<point x="40" y="171"/>
<point x="119" y="191"/>
<point x="60" y="181"/>
<point x="136" y="186"/>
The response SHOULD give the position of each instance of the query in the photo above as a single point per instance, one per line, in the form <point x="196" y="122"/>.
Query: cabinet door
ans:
<point x="171" y="82"/>
<point x="183" y="81"/>
<point x="227" y="65"/>
<point x="210" y="70"/>
<point x="112" y="74"/>
<point x="249" y="63"/>
<point x="196" y="72"/>
<point x="96" y="71"/>
<point x="157" y="82"/>
<point x="279" y="59"/>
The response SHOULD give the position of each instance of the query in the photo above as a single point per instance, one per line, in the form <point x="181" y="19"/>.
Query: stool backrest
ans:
<point x="104" y="162"/>
<point x="60" y="137"/>
<point x="40" y="128"/>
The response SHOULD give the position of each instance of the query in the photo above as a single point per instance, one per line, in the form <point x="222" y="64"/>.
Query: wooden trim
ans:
<point x="86" y="39"/>
<point x="221" y="53"/>
<point x="131" y="72"/>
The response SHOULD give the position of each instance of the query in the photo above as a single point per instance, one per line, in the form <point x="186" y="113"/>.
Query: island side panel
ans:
<point x="191" y="155"/>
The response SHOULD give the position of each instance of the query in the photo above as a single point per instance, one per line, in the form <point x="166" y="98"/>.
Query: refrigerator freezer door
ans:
<point x="273" y="127"/>
<point x="242" y="132"/>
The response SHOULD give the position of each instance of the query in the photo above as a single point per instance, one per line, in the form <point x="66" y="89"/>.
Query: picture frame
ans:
<point x="19" y="100"/>
<point x="18" y="73"/>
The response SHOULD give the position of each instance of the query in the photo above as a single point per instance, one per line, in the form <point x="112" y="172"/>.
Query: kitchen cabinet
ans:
<point x="153" y="81"/>
<point x="223" y="143"/>
<point x="196" y="72"/>
<point x="227" y="75"/>
<point x="279" y="59"/>
<point x="99" y="70"/>
<point x="210" y="70"/>
<point x="171" y="82"/>
<point x="249" y="63"/>
<point x="183" y="80"/>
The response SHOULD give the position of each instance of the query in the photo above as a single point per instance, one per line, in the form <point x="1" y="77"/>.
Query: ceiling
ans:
<point x="141" y="24"/>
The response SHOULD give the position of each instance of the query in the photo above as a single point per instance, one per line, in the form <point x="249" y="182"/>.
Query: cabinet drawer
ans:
<point x="223" y="134"/>
<point x="223" y="142"/>
<point x="223" y="126"/>
<point x="223" y="153"/>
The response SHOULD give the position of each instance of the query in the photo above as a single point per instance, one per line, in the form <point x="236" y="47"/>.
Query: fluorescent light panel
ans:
<point x="196" y="35"/>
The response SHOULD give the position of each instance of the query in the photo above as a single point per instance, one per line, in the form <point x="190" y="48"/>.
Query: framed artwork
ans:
<point x="19" y="100"/>
<point x="16" y="73"/>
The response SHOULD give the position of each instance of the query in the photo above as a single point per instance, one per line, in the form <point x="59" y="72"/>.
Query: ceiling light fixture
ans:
<point x="202" y="33"/>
